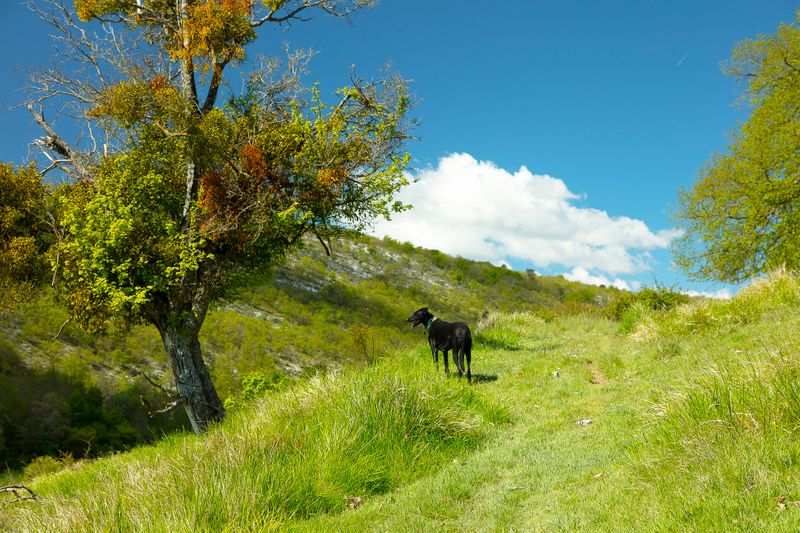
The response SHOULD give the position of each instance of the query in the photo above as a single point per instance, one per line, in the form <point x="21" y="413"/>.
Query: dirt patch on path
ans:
<point x="598" y="378"/>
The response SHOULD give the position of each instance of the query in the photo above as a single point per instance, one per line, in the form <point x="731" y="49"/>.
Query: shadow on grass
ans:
<point x="510" y="347"/>
<point x="497" y="342"/>
<point x="483" y="378"/>
<point x="547" y="346"/>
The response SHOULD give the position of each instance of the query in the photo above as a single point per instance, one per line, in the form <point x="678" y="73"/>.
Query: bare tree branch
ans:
<point x="180" y="400"/>
<point x="55" y="143"/>
<point x="189" y="90"/>
<point x="173" y="400"/>
<point x="337" y="8"/>
<point x="293" y="14"/>
<point x="325" y="245"/>
<point x="216" y="80"/>
<point x="61" y="329"/>
<point x="19" y="492"/>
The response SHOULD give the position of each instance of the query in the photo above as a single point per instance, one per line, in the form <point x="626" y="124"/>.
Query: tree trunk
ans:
<point x="202" y="404"/>
<point x="178" y="316"/>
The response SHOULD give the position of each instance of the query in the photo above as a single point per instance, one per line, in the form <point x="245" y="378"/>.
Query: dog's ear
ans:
<point x="424" y="309"/>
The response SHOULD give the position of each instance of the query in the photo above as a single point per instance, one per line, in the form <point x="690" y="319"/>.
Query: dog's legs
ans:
<point x="446" y="366"/>
<point x="468" y="353"/>
<point x="458" y="359"/>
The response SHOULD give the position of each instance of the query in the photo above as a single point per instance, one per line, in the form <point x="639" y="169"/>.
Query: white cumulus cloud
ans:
<point x="720" y="294"/>
<point x="584" y="276"/>
<point x="480" y="211"/>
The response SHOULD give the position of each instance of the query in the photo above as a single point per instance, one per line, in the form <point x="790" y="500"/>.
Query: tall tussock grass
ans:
<point x="502" y="331"/>
<point x="760" y="398"/>
<point x="757" y="391"/>
<point x="724" y="448"/>
<point x="775" y="290"/>
<point x="291" y="455"/>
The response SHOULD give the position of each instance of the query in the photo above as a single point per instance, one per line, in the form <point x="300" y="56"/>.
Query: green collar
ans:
<point x="428" y="325"/>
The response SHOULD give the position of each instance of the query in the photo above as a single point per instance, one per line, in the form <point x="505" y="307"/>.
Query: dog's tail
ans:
<point x="468" y="353"/>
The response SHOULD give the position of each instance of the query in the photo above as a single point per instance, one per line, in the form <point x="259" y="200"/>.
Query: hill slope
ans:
<point x="693" y="427"/>
<point x="314" y="313"/>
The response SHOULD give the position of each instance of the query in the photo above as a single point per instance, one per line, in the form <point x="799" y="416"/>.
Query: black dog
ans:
<point x="445" y="336"/>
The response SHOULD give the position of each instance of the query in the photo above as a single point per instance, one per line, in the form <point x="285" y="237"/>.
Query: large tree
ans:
<point x="742" y="217"/>
<point x="175" y="191"/>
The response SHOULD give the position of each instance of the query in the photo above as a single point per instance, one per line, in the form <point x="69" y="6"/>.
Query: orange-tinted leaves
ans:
<point x="160" y="84"/>
<point x="212" y="197"/>
<point x="253" y="162"/>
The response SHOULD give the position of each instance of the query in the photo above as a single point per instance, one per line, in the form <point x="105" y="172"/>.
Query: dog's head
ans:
<point x="420" y="316"/>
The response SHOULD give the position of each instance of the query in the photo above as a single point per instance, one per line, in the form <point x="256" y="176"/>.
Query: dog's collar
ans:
<point x="428" y="325"/>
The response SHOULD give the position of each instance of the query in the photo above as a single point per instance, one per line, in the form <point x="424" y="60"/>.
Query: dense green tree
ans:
<point x="25" y="233"/>
<point x="742" y="217"/>
<point x="178" y="192"/>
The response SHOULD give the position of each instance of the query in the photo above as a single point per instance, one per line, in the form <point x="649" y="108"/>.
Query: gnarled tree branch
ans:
<point x="21" y="493"/>
<point x="173" y="400"/>
<point x="53" y="142"/>
<point x="332" y="7"/>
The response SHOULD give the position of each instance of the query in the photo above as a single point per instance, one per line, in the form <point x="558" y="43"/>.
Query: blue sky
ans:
<point x="610" y="107"/>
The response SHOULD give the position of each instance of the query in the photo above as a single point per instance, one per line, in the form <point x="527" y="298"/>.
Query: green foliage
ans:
<point x="631" y="316"/>
<point x="437" y="258"/>
<point x="42" y="465"/>
<point x="501" y="331"/>
<point x="631" y="308"/>
<point x="51" y="414"/>
<point x="123" y="243"/>
<point x="657" y="299"/>
<point x="24" y="235"/>
<point x="583" y="295"/>
<point x="741" y="217"/>
<point x="255" y="385"/>
<point x="50" y="389"/>
<point x="88" y="9"/>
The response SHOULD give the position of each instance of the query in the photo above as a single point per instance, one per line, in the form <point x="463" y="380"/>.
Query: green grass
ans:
<point x="291" y="455"/>
<point x="695" y="416"/>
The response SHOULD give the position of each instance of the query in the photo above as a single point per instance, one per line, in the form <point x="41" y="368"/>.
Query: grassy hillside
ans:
<point x="683" y="419"/>
<point x="314" y="313"/>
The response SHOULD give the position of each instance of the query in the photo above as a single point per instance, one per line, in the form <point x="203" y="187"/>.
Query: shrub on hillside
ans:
<point x="657" y="299"/>
<point x="42" y="465"/>
<point x="255" y="385"/>
<point x="769" y="294"/>
<point x="48" y="413"/>
<point x="501" y="331"/>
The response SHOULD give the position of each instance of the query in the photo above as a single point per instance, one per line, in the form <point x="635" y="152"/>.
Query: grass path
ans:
<point x="544" y="471"/>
